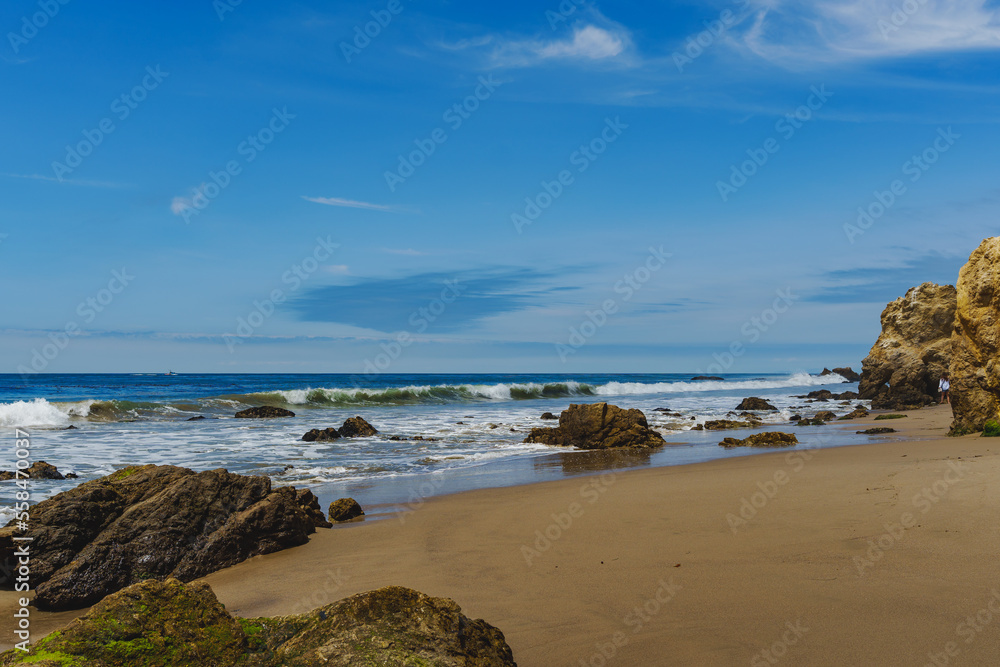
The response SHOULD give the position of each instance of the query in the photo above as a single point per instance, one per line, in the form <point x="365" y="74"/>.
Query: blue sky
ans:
<point x="606" y="186"/>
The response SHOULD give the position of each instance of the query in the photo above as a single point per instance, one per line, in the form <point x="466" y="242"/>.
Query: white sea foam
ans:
<point x="37" y="412"/>
<point x="632" y="388"/>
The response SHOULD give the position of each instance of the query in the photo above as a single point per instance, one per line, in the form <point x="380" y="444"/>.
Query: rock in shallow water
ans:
<point x="264" y="412"/>
<point x="356" y="427"/>
<point x="754" y="403"/>
<point x="598" y="426"/>
<point x="172" y="624"/>
<point x="38" y="470"/>
<point x="154" y="522"/>
<point x="767" y="439"/>
<point x="321" y="435"/>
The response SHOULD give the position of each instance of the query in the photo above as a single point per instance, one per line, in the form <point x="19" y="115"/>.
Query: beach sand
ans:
<point x="652" y="567"/>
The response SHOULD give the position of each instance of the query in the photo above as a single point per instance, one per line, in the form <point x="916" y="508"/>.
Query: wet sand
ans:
<point x="875" y="554"/>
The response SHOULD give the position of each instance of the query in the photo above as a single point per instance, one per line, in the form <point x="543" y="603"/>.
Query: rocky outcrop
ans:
<point x="914" y="349"/>
<point x="38" y="470"/>
<point x="264" y="412"/>
<point x="858" y="413"/>
<point x="345" y="509"/>
<point x="975" y="366"/>
<point x="826" y="395"/>
<point x="878" y="430"/>
<point x="598" y="426"/>
<point x="754" y="403"/>
<point x="321" y="435"/>
<point x="825" y="416"/>
<point x="847" y="373"/>
<point x="156" y="522"/>
<point x="548" y="415"/>
<point x="768" y="439"/>
<point x="728" y="424"/>
<point x="356" y="427"/>
<point x="172" y="624"/>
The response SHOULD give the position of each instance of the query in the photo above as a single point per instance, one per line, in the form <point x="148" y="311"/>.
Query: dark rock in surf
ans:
<point x="356" y="427"/>
<point x="37" y="470"/>
<point x="754" y="403"/>
<point x="318" y="435"/>
<point x="264" y="412"/>
<point x="598" y="426"/>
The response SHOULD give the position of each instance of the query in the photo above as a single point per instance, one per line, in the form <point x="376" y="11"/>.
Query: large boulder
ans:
<point x="356" y="427"/>
<point x="975" y="366"/>
<point x="172" y="624"/>
<point x="914" y="349"/>
<point x="598" y="426"/>
<point x="754" y="403"/>
<point x="264" y="412"/>
<point x="345" y="509"/>
<point x="156" y="522"/>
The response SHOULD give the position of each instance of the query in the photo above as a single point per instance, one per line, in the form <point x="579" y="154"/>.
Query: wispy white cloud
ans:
<point x="68" y="181"/>
<point x="795" y="33"/>
<point x="350" y="203"/>
<point x="587" y="44"/>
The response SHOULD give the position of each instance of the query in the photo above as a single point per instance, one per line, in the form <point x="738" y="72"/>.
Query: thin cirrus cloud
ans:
<point x="798" y="34"/>
<point x="588" y="43"/>
<point x="350" y="203"/>
<point x="393" y="304"/>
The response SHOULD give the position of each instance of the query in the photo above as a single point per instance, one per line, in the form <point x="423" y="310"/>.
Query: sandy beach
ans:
<point x="862" y="555"/>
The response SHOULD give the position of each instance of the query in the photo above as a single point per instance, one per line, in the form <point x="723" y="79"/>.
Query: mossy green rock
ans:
<point x="168" y="623"/>
<point x="766" y="439"/>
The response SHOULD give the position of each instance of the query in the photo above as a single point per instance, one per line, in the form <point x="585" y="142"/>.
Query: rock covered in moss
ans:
<point x="156" y="522"/>
<point x="172" y="624"/>
<point x="598" y="426"/>
<point x="766" y="439"/>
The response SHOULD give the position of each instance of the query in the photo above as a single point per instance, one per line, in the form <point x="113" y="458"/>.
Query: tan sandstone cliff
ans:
<point x="913" y="350"/>
<point x="975" y="363"/>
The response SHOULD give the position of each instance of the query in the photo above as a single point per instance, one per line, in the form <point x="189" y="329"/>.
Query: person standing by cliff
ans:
<point x="943" y="386"/>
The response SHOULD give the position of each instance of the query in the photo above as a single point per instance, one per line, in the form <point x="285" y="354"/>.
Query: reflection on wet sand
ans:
<point x="598" y="460"/>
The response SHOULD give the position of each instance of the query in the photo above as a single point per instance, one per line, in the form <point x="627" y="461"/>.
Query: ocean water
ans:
<point x="473" y="425"/>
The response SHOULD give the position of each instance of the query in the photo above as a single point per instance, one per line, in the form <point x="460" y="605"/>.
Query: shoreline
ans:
<point x="722" y="592"/>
